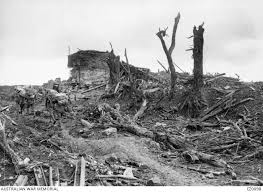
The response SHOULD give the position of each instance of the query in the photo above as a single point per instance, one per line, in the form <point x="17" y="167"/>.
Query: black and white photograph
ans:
<point x="137" y="93"/>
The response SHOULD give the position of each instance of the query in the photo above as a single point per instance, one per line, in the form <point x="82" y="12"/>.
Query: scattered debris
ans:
<point x="81" y="129"/>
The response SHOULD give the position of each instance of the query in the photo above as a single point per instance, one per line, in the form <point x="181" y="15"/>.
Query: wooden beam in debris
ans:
<point x="40" y="176"/>
<point x="51" y="176"/>
<point x="214" y="78"/>
<point x="76" y="174"/>
<point x="163" y="66"/>
<point x="82" y="171"/>
<point x="99" y="86"/>
<point x="9" y="118"/>
<point x="117" y="176"/>
<point x="221" y="108"/>
<point x="178" y="67"/>
<point x="56" y="177"/>
<point x="4" y="108"/>
<point x="79" y="178"/>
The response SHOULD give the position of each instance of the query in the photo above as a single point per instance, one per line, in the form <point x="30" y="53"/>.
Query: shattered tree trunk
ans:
<point x="198" y="57"/>
<point x="114" y="66"/>
<point x="168" y="52"/>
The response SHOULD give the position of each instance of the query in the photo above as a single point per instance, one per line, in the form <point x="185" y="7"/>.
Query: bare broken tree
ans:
<point x="198" y="57"/>
<point x="194" y="99"/>
<point x="168" y="52"/>
<point x="114" y="66"/>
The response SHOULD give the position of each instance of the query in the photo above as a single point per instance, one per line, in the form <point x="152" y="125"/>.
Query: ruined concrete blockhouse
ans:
<point x="94" y="67"/>
<point x="89" y="66"/>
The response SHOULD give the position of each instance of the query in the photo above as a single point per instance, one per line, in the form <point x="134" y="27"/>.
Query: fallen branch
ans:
<point x="10" y="119"/>
<point x="259" y="180"/>
<point x="207" y="113"/>
<point x="195" y="156"/>
<point x="117" y="176"/>
<point x="99" y="86"/>
<point x="4" y="108"/>
<point x="245" y="182"/>
<point x="213" y="78"/>
<point x="257" y="154"/>
<point x="221" y="109"/>
<point x="167" y="71"/>
<point x="224" y="147"/>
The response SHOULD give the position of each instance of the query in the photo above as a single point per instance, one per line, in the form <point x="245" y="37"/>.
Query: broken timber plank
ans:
<point x="56" y="177"/>
<point x="218" y="103"/>
<point x="214" y="78"/>
<point x="167" y="71"/>
<point x="4" y="108"/>
<point x="223" y="108"/>
<point x="99" y="86"/>
<point x="9" y="118"/>
<point x="259" y="180"/>
<point x="76" y="175"/>
<point x="82" y="171"/>
<point x="79" y="177"/>
<point x="117" y="176"/>
<point x="40" y="176"/>
<point x="246" y="182"/>
<point x="51" y="176"/>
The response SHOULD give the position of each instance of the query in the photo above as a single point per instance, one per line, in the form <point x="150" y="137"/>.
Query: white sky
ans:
<point x="35" y="35"/>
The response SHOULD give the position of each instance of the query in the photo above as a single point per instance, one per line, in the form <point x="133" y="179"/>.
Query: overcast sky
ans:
<point x="35" y="35"/>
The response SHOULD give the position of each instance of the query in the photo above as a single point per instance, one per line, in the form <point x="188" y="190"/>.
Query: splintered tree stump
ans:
<point x="198" y="57"/>
<point x="114" y="66"/>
